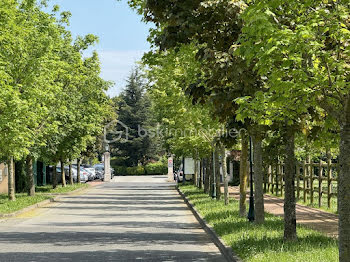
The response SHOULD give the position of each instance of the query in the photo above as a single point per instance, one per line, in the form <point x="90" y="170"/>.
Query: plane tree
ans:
<point x="214" y="27"/>
<point x="303" y="48"/>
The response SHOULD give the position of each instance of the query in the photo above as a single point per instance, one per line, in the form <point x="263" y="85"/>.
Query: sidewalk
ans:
<point x="316" y="219"/>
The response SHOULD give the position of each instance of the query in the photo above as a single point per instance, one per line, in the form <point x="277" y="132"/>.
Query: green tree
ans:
<point x="133" y="111"/>
<point x="313" y="38"/>
<point x="214" y="27"/>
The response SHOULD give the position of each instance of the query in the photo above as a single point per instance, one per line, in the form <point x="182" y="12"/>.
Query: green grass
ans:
<point x="59" y="189"/>
<point x="42" y="193"/>
<point x="22" y="201"/>
<point x="261" y="243"/>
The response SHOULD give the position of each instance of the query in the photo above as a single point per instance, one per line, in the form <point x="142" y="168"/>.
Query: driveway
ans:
<point x="129" y="219"/>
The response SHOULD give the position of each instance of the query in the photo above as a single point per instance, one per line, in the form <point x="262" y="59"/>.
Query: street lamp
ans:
<point x="251" y="213"/>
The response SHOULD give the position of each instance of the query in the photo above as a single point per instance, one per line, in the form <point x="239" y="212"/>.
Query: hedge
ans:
<point x="150" y="169"/>
<point x="137" y="170"/>
<point x="156" y="169"/>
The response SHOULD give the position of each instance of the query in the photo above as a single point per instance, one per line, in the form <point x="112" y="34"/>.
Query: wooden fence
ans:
<point x="313" y="181"/>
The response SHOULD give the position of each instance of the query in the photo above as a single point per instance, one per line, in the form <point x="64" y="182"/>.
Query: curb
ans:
<point x="43" y="203"/>
<point x="225" y="250"/>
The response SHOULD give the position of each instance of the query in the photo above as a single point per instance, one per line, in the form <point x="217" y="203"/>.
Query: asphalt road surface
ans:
<point x="129" y="219"/>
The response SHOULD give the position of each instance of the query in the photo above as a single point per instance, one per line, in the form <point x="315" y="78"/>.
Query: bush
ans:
<point x="137" y="170"/>
<point x="120" y="170"/>
<point x="156" y="168"/>
<point x="118" y="161"/>
<point x="150" y="169"/>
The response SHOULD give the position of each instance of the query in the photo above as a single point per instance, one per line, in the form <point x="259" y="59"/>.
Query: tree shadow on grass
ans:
<point x="266" y="244"/>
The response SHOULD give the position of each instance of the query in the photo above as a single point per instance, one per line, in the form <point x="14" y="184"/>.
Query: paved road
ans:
<point x="130" y="219"/>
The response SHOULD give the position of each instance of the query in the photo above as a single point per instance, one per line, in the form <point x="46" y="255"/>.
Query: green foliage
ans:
<point x="187" y="129"/>
<point x="120" y="170"/>
<point x="52" y="100"/>
<point x="135" y="170"/>
<point x="118" y="161"/>
<point x="156" y="169"/>
<point x="133" y="112"/>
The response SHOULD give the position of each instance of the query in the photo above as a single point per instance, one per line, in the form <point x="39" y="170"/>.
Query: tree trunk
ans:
<point x="30" y="176"/>
<point x="258" y="179"/>
<point x="217" y="173"/>
<point x="78" y="171"/>
<point x="201" y="167"/>
<point x="63" y="174"/>
<point x="211" y="175"/>
<point x="290" y="231"/>
<point x="195" y="173"/>
<point x="54" y="176"/>
<point x="11" y="180"/>
<point x="344" y="194"/>
<point x="224" y="172"/>
<point x="243" y="176"/>
<point x="70" y="174"/>
<point x="207" y="176"/>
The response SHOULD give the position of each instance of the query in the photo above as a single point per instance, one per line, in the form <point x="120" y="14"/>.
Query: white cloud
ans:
<point x="116" y="67"/>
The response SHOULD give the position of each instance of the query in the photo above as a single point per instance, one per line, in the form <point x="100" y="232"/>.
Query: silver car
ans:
<point x="84" y="175"/>
<point x="91" y="171"/>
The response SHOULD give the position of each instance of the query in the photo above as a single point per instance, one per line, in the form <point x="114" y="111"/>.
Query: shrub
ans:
<point x="156" y="168"/>
<point x="137" y="170"/>
<point x="118" y="161"/>
<point x="120" y="170"/>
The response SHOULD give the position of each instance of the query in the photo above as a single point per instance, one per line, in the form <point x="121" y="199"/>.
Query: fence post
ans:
<point x="281" y="178"/>
<point x="311" y="177"/>
<point x="329" y="181"/>
<point x="269" y="177"/>
<point x="277" y="178"/>
<point x="320" y="190"/>
<point x="272" y="180"/>
<point x="298" y="180"/>
<point x="304" y="180"/>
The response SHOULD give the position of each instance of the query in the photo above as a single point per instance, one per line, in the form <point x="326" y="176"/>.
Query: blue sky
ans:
<point x="122" y="34"/>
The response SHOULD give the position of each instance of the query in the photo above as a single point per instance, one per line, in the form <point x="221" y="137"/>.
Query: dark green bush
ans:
<point x="156" y="168"/>
<point x="137" y="170"/>
<point x="150" y="169"/>
<point x="120" y="170"/>
<point x="118" y="161"/>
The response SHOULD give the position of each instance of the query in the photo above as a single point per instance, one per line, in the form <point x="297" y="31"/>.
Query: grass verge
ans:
<point x="261" y="243"/>
<point x="59" y="189"/>
<point x="22" y="201"/>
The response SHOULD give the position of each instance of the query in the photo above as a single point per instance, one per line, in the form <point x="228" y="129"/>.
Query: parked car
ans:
<point x="91" y="170"/>
<point x="100" y="170"/>
<point x="100" y="175"/>
<point x="84" y="175"/>
<point x="179" y="176"/>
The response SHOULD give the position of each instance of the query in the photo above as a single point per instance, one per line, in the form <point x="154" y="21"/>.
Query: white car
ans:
<point x="179" y="176"/>
<point x="84" y="175"/>
<point x="92" y="172"/>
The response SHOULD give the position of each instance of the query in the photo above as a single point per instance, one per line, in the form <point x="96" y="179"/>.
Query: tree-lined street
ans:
<point x="130" y="219"/>
<point x="249" y="94"/>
